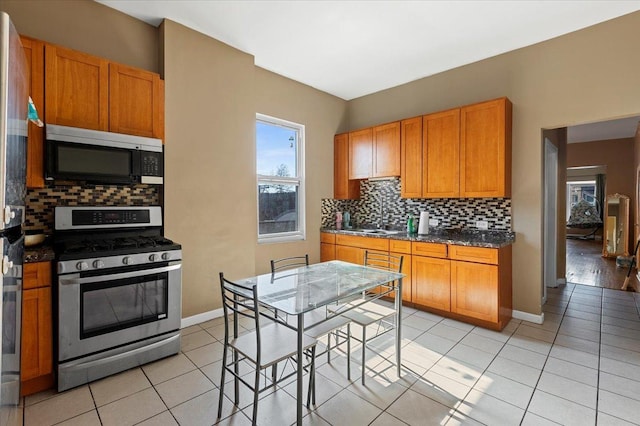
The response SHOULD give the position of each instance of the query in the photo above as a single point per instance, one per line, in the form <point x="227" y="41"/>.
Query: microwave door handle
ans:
<point x="75" y="279"/>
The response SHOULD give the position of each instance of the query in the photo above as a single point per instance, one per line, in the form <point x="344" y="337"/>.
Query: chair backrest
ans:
<point x="386" y="261"/>
<point x="239" y="300"/>
<point x="289" y="263"/>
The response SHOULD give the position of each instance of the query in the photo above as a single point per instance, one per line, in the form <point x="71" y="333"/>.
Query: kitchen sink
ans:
<point x="377" y="231"/>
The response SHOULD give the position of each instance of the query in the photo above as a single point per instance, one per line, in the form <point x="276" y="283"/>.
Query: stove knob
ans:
<point x="126" y="260"/>
<point x="98" y="264"/>
<point x="82" y="266"/>
<point x="166" y="256"/>
<point x="153" y="258"/>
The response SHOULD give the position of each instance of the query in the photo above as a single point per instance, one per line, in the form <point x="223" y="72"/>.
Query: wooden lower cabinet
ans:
<point x="36" y="356"/>
<point x="474" y="290"/>
<point x="327" y="252"/>
<point x="471" y="284"/>
<point x="431" y="282"/>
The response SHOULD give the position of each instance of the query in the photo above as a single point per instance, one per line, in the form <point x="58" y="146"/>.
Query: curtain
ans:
<point x="600" y="182"/>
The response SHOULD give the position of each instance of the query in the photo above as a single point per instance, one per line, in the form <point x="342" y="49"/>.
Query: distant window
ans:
<point x="280" y="176"/>
<point x="577" y="191"/>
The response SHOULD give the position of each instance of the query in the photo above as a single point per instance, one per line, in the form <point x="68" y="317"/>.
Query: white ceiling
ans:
<point x="603" y="130"/>
<point x="353" y="48"/>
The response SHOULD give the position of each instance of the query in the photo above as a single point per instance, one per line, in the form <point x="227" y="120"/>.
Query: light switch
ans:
<point x="433" y="222"/>
<point x="482" y="224"/>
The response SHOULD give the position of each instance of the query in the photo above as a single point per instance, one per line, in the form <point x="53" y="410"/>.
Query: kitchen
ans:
<point x="221" y="134"/>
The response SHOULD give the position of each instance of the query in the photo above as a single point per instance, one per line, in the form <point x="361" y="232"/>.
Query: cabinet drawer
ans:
<point x="381" y="244"/>
<point x="325" y="237"/>
<point x="474" y="254"/>
<point x="37" y="275"/>
<point x="429" y="249"/>
<point x="400" y="246"/>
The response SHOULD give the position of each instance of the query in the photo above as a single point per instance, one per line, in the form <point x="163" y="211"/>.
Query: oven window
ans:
<point x="73" y="159"/>
<point x="119" y="304"/>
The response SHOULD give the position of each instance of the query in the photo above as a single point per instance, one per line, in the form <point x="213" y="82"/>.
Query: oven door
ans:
<point x="97" y="312"/>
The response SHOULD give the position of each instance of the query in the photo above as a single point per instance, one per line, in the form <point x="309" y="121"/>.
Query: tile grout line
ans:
<point x="547" y="359"/>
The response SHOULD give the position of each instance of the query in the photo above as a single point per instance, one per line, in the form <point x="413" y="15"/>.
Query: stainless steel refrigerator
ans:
<point x="14" y="97"/>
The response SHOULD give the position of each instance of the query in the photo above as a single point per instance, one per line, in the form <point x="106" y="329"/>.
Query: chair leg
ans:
<point x="224" y="369"/>
<point x="236" y="369"/>
<point x="329" y="346"/>
<point x="349" y="351"/>
<point x="364" y="346"/>
<point x="254" y="417"/>
<point x="311" y="392"/>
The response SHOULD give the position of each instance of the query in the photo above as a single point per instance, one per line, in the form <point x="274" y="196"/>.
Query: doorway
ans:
<point x="610" y="144"/>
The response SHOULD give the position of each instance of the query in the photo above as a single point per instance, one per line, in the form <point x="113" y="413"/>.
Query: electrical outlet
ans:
<point x="433" y="222"/>
<point x="482" y="224"/>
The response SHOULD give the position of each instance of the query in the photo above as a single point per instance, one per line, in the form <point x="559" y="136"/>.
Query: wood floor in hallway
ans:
<point x="585" y="265"/>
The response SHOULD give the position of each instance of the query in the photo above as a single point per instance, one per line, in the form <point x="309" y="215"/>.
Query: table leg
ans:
<point x="398" y="324"/>
<point x="299" y="399"/>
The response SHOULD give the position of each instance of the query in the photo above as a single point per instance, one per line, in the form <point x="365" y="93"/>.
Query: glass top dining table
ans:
<point x="304" y="289"/>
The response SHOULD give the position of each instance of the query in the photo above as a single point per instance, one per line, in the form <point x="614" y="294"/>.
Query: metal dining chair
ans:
<point x="368" y="314"/>
<point x="325" y="327"/>
<point x="265" y="346"/>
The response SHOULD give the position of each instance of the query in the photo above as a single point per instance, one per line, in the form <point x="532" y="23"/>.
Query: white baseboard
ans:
<point x="525" y="316"/>
<point x="197" y="319"/>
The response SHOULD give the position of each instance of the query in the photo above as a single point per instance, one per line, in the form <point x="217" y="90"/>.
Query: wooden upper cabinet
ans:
<point x="361" y="154"/>
<point x="77" y="89"/>
<point x="386" y="150"/>
<point x="34" y="51"/>
<point x="441" y="154"/>
<point x="411" y="158"/>
<point x="485" y="149"/>
<point x="134" y="101"/>
<point x="343" y="188"/>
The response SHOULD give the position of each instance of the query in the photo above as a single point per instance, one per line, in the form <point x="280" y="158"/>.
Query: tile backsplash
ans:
<point x="383" y="196"/>
<point x="40" y="203"/>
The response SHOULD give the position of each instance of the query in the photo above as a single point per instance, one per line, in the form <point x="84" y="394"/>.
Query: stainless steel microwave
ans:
<point x="102" y="157"/>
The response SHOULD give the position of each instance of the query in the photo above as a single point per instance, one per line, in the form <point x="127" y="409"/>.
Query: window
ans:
<point x="280" y="179"/>
<point x="580" y="190"/>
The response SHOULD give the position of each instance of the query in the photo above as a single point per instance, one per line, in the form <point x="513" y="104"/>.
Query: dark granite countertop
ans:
<point x="40" y="253"/>
<point x="461" y="237"/>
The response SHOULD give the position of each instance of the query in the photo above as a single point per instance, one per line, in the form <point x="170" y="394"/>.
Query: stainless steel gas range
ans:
<point x="118" y="291"/>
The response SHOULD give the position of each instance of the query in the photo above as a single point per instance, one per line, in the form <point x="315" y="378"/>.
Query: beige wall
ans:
<point x="585" y="76"/>
<point x="617" y="156"/>
<point x="559" y="138"/>
<point x="89" y="27"/>
<point x="323" y="116"/>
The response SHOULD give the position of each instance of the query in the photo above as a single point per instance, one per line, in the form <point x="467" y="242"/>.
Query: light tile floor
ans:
<point x="581" y="367"/>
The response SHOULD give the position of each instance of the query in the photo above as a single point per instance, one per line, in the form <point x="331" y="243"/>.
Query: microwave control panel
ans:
<point x="152" y="164"/>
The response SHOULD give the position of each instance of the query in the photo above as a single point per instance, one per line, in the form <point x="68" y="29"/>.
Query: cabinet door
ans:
<point x="77" y="87"/>
<point x="441" y="154"/>
<point x="361" y="154"/>
<point x="386" y="150"/>
<point x="406" y="281"/>
<point x="350" y="254"/>
<point x="134" y="101"/>
<point x="411" y="158"/>
<point x="327" y="252"/>
<point x="474" y="290"/>
<point x="343" y="188"/>
<point x="34" y="50"/>
<point x="485" y="149"/>
<point x="37" y="345"/>
<point x="431" y="282"/>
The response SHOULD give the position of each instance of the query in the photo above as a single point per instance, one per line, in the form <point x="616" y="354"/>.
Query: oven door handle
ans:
<point x="75" y="279"/>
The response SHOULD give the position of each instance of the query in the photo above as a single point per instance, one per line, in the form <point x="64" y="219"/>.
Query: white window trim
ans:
<point x="298" y="180"/>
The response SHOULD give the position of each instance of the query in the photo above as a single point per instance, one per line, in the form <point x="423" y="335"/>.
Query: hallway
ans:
<point x="586" y="266"/>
